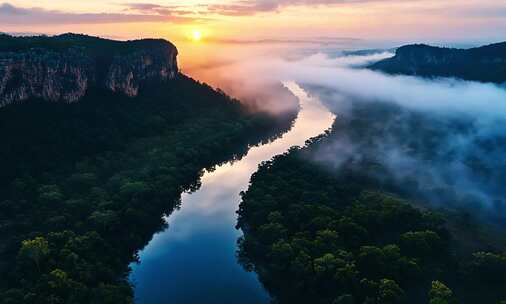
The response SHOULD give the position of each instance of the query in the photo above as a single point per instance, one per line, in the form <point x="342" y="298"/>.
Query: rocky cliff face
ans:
<point x="486" y="64"/>
<point x="127" y="73"/>
<point x="49" y="75"/>
<point x="65" y="67"/>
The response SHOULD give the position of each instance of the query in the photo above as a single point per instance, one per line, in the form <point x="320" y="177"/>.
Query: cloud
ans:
<point x="241" y="7"/>
<point x="489" y="9"/>
<point x="7" y="8"/>
<point x="346" y="61"/>
<point x="157" y="9"/>
<point x="497" y="11"/>
<point x="252" y="7"/>
<point x="460" y="123"/>
<point x="244" y="8"/>
<point x="442" y="140"/>
<point x="325" y="41"/>
<point x="463" y="9"/>
<point x="13" y="15"/>
<point x="451" y="96"/>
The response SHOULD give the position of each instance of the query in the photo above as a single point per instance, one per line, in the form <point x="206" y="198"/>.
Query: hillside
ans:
<point x="86" y="183"/>
<point x="384" y="208"/>
<point x="484" y="64"/>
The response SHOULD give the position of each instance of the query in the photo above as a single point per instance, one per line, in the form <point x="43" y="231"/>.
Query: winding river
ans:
<point x="193" y="260"/>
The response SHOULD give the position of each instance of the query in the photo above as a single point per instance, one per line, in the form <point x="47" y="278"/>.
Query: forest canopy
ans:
<point x="84" y="186"/>
<point x="333" y="222"/>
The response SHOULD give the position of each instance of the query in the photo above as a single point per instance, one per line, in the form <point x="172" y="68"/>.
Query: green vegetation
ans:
<point x="350" y="232"/>
<point x="317" y="238"/>
<point x="84" y="186"/>
<point x="441" y="294"/>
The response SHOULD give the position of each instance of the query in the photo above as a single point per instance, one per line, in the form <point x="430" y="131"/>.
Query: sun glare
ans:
<point x="197" y="35"/>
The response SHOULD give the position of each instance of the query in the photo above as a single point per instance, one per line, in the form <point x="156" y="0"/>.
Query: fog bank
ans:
<point x="443" y="137"/>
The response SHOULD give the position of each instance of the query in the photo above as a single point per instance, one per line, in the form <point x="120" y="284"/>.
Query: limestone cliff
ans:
<point x="63" y="68"/>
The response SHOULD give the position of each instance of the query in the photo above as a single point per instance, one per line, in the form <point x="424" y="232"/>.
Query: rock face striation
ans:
<point x="63" y="68"/>
<point x="485" y="64"/>
<point x="127" y="73"/>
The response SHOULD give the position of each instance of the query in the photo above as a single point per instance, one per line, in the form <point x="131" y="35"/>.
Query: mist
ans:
<point x="254" y="72"/>
<point x="440" y="140"/>
<point x="443" y="140"/>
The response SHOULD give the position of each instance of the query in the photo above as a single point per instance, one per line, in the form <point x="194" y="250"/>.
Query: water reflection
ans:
<point x="193" y="261"/>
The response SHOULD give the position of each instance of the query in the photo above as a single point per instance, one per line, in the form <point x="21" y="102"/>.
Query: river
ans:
<point x="194" y="259"/>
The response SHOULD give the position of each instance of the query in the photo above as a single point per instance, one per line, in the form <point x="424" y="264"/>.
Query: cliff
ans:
<point x="63" y="68"/>
<point x="485" y="64"/>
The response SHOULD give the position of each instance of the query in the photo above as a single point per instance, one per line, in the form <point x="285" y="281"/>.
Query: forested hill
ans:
<point x="372" y="212"/>
<point x="484" y="64"/>
<point x="85" y="185"/>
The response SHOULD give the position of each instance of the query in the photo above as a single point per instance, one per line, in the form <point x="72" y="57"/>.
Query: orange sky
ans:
<point x="255" y="19"/>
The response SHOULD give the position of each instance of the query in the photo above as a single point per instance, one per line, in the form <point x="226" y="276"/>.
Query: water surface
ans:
<point x="193" y="260"/>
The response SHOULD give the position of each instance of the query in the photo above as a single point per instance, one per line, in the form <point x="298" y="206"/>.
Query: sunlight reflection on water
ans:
<point x="193" y="261"/>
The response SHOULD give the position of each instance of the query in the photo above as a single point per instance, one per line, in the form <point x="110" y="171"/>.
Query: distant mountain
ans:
<point x="63" y="68"/>
<point x="485" y="64"/>
<point x="367" y="52"/>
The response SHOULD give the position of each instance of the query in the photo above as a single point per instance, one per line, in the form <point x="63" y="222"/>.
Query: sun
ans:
<point x="197" y="35"/>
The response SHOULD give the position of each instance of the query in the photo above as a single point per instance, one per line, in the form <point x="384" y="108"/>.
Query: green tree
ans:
<point x="281" y="252"/>
<point x="35" y="250"/>
<point x="272" y="232"/>
<point x="344" y="299"/>
<point x="130" y="189"/>
<point x="389" y="292"/>
<point x="326" y="264"/>
<point x="488" y="267"/>
<point x="104" y="219"/>
<point x="58" y="279"/>
<point x="440" y="294"/>
<point x="49" y="194"/>
<point x="371" y="261"/>
<point x="421" y="244"/>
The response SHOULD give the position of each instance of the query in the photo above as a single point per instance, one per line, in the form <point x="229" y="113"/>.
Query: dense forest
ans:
<point x="84" y="186"/>
<point x="361" y="215"/>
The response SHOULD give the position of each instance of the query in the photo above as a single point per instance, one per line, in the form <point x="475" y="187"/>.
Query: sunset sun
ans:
<point x="197" y="35"/>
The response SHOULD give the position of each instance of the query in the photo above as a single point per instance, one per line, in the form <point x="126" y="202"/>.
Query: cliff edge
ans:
<point x="63" y="68"/>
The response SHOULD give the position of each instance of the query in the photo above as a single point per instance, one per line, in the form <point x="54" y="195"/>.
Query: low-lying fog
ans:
<point x="445" y="135"/>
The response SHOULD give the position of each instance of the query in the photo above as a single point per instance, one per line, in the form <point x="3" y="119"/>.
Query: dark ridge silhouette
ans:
<point x="484" y="64"/>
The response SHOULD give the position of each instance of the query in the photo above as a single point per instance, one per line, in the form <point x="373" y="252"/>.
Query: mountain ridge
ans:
<point x="485" y="64"/>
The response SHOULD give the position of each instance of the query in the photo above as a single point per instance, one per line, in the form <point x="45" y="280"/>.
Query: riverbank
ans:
<point x="194" y="259"/>
<point x="92" y="181"/>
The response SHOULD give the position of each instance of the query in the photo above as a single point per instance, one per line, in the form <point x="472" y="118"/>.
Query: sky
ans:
<point x="231" y="21"/>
